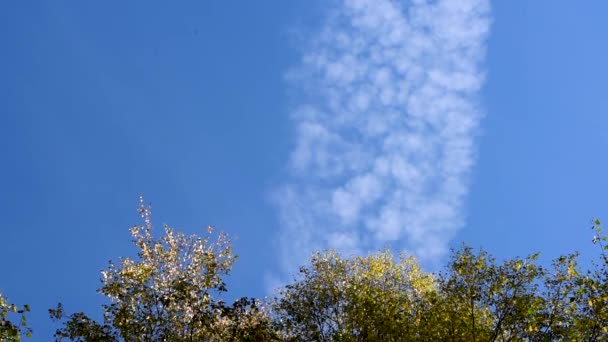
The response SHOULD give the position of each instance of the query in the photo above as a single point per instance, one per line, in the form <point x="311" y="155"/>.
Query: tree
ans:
<point x="172" y="292"/>
<point x="169" y="293"/>
<point x="9" y="330"/>
<point x="481" y="300"/>
<point x="590" y="299"/>
<point x="476" y="298"/>
<point x="373" y="298"/>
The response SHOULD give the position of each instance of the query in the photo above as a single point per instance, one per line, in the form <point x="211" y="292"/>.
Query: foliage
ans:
<point x="590" y="299"/>
<point x="9" y="330"/>
<point x="169" y="294"/>
<point x="476" y="298"/>
<point x="172" y="291"/>
<point x="373" y="298"/>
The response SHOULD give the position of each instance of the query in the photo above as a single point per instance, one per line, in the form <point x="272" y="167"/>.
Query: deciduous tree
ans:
<point x="170" y="292"/>
<point x="373" y="298"/>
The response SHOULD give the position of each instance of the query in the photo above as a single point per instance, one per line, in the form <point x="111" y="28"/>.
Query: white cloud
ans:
<point x="385" y="131"/>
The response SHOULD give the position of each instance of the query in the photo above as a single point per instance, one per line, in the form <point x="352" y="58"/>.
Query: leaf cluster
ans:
<point x="9" y="329"/>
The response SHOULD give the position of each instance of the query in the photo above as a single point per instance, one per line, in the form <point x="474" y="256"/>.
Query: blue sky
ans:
<point x="250" y="116"/>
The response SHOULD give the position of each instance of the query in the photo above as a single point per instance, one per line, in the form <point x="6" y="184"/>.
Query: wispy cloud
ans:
<point x="385" y="128"/>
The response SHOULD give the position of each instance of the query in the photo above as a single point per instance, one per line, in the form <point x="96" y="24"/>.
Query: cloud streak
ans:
<point x="385" y="122"/>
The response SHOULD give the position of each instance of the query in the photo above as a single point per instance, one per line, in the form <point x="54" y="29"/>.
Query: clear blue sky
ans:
<point x="195" y="105"/>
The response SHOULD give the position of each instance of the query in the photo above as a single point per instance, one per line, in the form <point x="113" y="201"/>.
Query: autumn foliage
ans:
<point x="172" y="291"/>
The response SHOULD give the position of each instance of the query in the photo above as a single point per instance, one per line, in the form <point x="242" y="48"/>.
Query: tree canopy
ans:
<point x="172" y="291"/>
<point x="169" y="293"/>
<point x="476" y="298"/>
